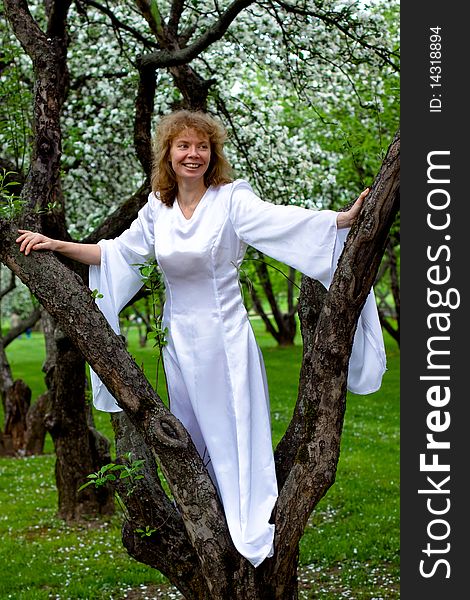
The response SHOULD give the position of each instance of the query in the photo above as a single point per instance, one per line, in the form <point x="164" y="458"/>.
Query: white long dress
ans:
<point x="214" y="367"/>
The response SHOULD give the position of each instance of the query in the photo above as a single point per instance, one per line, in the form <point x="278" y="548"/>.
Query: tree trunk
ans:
<point x="6" y="377"/>
<point x="17" y="401"/>
<point x="285" y="322"/>
<point x="79" y="449"/>
<point x="34" y="430"/>
<point x="168" y="548"/>
<point x="36" y="427"/>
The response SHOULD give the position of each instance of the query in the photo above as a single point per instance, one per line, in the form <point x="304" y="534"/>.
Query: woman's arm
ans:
<point x="88" y="254"/>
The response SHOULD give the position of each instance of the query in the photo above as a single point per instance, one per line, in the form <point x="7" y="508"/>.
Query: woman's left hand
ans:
<point x="347" y="218"/>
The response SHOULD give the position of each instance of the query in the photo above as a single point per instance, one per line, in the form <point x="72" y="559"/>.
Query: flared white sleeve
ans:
<point x="309" y="241"/>
<point x="117" y="279"/>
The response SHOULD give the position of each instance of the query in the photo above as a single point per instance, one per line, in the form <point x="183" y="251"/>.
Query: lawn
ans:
<point x="350" y="548"/>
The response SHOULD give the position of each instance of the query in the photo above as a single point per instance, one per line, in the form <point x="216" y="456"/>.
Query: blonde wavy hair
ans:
<point x="163" y="179"/>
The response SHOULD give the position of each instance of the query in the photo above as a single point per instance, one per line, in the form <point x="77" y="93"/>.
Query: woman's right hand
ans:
<point x="88" y="254"/>
<point x="30" y="240"/>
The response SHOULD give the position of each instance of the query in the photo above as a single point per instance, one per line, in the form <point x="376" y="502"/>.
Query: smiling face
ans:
<point x="190" y="154"/>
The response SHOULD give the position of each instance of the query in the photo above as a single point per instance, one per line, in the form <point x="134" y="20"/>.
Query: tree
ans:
<point x="388" y="290"/>
<point x="191" y="544"/>
<point x="24" y="430"/>
<point x="79" y="448"/>
<point x="264" y="279"/>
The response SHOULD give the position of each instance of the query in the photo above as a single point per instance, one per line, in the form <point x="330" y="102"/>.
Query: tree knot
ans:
<point x="170" y="431"/>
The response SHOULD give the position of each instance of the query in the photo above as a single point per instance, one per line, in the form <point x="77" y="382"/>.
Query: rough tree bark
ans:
<point x="79" y="449"/>
<point x="148" y="504"/>
<point x="18" y="399"/>
<point x="36" y="427"/>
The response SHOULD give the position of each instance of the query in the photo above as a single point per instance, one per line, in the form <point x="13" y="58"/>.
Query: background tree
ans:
<point x="271" y="291"/>
<point x="23" y="429"/>
<point x="193" y="547"/>
<point x="79" y="447"/>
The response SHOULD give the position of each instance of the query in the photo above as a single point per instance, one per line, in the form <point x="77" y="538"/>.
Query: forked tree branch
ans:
<point x="307" y="457"/>
<point x="182" y="56"/>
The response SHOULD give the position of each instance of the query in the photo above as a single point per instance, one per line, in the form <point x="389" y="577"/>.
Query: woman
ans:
<point x="197" y="223"/>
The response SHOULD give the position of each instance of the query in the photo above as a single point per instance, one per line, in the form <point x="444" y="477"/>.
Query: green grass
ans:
<point x="349" y="549"/>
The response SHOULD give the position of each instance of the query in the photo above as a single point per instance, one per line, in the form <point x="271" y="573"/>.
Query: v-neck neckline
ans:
<point x="195" y="208"/>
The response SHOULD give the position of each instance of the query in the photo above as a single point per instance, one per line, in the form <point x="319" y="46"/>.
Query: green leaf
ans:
<point x="82" y="487"/>
<point x="107" y="467"/>
<point x="118" y="468"/>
